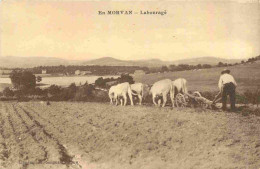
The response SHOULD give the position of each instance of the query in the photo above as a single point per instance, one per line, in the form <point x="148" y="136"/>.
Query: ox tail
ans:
<point x="132" y="91"/>
<point x="172" y="94"/>
<point x="172" y="88"/>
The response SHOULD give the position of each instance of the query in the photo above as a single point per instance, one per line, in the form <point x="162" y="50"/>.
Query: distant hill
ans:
<point x="109" y="61"/>
<point x="206" y="60"/>
<point x="27" y="62"/>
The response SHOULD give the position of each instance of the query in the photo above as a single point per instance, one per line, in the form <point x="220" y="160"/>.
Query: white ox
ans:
<point x="138" y="89"/>
<point x="162" y="88"/>
<point x="120" y="90"/>
<point x="179" y="86"/>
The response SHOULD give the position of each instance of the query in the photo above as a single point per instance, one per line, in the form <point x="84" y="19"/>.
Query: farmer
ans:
<point x="227" y="86"/>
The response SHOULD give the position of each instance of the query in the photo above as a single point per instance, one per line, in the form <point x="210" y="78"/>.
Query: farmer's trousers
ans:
<point x="229" y="89"/>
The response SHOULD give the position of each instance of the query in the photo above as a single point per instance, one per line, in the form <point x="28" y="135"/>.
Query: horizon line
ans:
<point x="131" y="59"/>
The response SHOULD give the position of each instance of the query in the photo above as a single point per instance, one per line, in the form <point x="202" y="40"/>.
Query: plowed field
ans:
<point x="93" y="135"/>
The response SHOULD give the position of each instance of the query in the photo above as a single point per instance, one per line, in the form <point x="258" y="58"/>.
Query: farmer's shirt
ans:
<point x="224" y="79"/>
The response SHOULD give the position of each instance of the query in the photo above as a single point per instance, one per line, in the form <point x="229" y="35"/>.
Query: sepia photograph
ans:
<point x="129" y="84"/>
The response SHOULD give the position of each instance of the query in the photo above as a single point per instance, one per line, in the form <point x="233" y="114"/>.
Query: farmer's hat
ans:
<point x="225" y="71"/>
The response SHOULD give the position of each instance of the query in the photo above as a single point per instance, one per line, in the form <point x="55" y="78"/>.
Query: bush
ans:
<point x="72" y="90"/>
<point x="7" y="92"/>
<point x="54" y="89"/>
<point x="18" y="93"/>
<point x="84" y="93"/>
<point x="126" y="78"/>
<point x="100" y="82"/>
<point x="39" y="92"/>
<point x="100" y="96"/>
<point x="72" y="93"/>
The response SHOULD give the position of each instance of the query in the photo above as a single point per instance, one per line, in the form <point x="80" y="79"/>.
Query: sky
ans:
<point x="74" y="30"/>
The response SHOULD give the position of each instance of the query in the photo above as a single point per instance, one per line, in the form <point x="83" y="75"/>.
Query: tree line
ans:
<point x="94" y="69"/>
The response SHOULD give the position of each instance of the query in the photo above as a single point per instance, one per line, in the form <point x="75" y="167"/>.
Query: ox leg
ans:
<point x="111" y="101"/>
<point x="125" y="98"/>
<point x="164" y="99"/>
<point x="130" y="96"/>
<point x="131" y="100"/>
<point x="140" y="99"/>
<point x="121" y="100"/>
<point x="116" y="99"/>
<point x="154" y="96"/>
<point x="159" y="102"/>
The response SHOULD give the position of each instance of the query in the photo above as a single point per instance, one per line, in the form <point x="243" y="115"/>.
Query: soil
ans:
<point x="95" y="135"/>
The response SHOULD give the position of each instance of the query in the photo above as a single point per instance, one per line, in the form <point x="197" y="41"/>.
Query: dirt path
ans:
<point x="94" y="135"/>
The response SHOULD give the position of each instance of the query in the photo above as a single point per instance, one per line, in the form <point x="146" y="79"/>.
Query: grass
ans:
<point x="247" y="77"/>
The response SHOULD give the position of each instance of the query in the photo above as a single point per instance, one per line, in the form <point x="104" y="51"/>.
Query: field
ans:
<point x="247" y="77"/>
<point x="95" y="135"/>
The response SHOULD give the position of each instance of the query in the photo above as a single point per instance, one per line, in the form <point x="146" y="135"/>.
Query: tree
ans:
<point x="199" y="66"/>
<point x="165" y="69"/>
<point x="183" y="67"/>
<point x="23" y="80"/>
<point x="220" y="64"/>
<point x="15" y="79"/>
<point x="172" y="67"/>
<point x="205" y="66"/>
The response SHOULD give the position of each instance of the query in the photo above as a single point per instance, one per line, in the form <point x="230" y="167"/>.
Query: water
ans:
<point x="63" y="81"/>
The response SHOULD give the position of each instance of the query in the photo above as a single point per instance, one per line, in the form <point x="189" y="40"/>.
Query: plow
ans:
<point x="194" y="99"/>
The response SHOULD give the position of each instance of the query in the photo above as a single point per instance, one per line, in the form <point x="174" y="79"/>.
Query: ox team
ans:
<point x="162" y="88"/>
